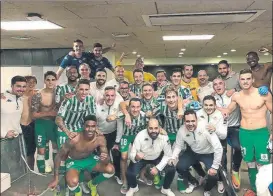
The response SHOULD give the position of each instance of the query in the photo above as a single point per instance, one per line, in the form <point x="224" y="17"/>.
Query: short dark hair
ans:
<point x="175" y="70"/>
<point x="134" y="99"/>
<point x="137" y="70"/>
<point x="78" y="41"/>
<point x="161" y="71"/>
<point x="17" y="79"/>
<point x="83" y="81"/>
<point x="97" y="45"/>
<point x="147" y="84"/>
<point x="90" y="117"/>
<point x="252" y="52"/>
<point x="188" y="65"/>
<point x="101" y="70"/>
<point x="124" y="82"/>
<point x="224" y="62"/>
<point x="209" y="97"/>
<point x="188" y="112"/>
<point x="245" y="71"/>
<point x="50" y="73"/>
<point x="109" y="88"/>
<point x="31" y="78"/>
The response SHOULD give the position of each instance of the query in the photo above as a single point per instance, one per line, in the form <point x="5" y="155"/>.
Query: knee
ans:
<point x="124" y="157"/>
<point x="41" y="151"/>
<point x="110" y="169"/>
<point x="169" y="169"/>
<point x="180" y="168"/>
<point x="213" y="177"/>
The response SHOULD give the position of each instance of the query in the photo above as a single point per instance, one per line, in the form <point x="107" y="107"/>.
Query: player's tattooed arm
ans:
<point x="35" y="102"/>
<point x="61" y="156"/>
<point x="104" y="157"/>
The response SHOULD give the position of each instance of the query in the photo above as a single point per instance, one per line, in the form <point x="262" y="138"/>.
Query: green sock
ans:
<point x="252" y="172"/>
<point x="41" y="163"/>
<point x="101" y="177"/>
<point x="47" y="151"/>
<point x="180" y="184"/>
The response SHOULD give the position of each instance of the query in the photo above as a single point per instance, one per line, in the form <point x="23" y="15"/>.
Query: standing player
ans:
<point x="126" y="135"/>
<point x="84" y="71"/>
<point x="67" y="90"/>
<point x="253" y="133"/>
<point x="136" y="87"/>
<point x="79" y="155"/>
<point x="190" y="82"/>
<point x="43" y="109"/>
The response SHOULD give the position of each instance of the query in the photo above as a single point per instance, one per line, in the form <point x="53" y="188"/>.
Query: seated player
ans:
<point x="78" y="155"/>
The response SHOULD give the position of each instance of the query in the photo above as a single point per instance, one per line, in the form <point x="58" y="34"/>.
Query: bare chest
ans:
<point x="47" y="100"/>
<point x="252" y="103"/>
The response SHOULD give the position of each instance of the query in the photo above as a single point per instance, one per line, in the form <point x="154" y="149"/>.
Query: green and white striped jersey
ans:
<point x="136" y="89"/>
<point x="170" y="123"/>
<point x="138" y="124"/>
<point x="62" y="90"/>
<point x="73" y="111"/>
<point x="149" y="105"/>
<point x="183" y="92"/>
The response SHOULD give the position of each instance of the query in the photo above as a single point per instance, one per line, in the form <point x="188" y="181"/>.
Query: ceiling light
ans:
<point x="28" y="25"/>
<point x="21" y="37"/>
<point x="225" y="53"/>
<point x="266" y="53"/>
<point x="138" y="55"/>
<point x="233" y="50"/>
<point x="120" y="35"/>
<point x="212" y="64"/>
<point x="219" y="56"/>
<point x="134" y="52"/>
<point x="181" y="52"/>
<point x="183" y="49"/>
<point x="187" y="37"/>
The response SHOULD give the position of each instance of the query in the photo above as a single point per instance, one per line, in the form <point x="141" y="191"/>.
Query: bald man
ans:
<point x="206" y="87"/>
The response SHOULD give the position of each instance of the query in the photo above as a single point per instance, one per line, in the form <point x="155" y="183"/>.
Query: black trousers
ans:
<point x="134" y="169"/>
<point x="189" y="158"/>
<point x="110" y="140"/>
<point x="29" y="136"/>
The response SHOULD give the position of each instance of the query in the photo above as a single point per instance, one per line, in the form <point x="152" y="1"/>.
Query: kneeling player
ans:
<point x="78" y="154"/>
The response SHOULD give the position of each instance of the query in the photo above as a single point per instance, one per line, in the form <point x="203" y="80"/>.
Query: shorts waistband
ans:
<point x="251" y="130"/>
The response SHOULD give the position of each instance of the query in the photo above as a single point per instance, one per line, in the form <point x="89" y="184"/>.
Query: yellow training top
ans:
<point x="193" y="85"/>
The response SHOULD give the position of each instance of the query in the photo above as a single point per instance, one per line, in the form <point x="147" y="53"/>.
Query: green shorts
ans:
<point x="82" y="164"/>
<point x="62" y="137"/>
<point x="45" y="130"/>
<point x="253" y="145"/>
<point x="172" y="137"/>
<point x="125" y="142"/>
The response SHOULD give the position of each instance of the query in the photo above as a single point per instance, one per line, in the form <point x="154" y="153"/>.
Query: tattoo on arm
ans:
<point x="61" y="156"/>
<point x="35" y="102"/>
<point x="60" y="123"/>
<point x="103" y="148"/>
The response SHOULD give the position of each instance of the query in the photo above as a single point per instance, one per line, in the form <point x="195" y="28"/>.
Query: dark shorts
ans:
<point x="29" y="136"/>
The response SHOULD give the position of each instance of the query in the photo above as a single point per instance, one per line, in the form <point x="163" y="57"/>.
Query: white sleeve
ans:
<point x="120" y="124"/>
<point x="217" y="148"/>
<point x="135" y="149"/>
<point x="179" y="144"/>
<point x="221" y="128"/>
<point x="167" y="155"/>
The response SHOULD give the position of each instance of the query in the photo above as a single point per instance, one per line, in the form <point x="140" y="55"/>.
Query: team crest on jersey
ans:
<point x="96" y="157"/>
<point x="202" y="116"/>
<point x="80" y="61"/>
<point x="264" y="157"/>
<point x="68" y="165"/>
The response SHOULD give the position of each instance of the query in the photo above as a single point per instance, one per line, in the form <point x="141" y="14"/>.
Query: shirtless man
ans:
<point x="253" y="133"/>
<point x="43" y="108"/>
<point x="78" y="155"/>
<point x="27" y="124"/>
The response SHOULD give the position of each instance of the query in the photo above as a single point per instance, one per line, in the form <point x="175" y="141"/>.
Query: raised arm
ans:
<point x="107" y="49"/>
<point x="233" y="104"/>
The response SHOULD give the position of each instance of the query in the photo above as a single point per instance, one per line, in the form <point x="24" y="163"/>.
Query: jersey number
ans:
<point x="62" y="140"/>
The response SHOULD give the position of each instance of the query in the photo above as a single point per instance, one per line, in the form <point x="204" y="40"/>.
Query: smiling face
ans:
<point x="138" y="77"/>
<point x="147" y="92"/>
<point x="97" y="51"/>
<point x="188" y="71"/>
<point x="100" y="78"/>
<point x="223" y="69"/>
<point x="190" y="122"/>
<point x="84" y="70"/>
<point x="119" y="73"/>
<point x="110" y="96"/>
<point x="82" y="91"/>
<point x="124" y="90"/>
<point x="153" y="128"/>
<point x="219" y="86"/>
<point x="50" y="81"/>
<point x="202" y="77"/>
<point x="19" y="88"/>
<point x="160" y="77"/>
<point x="72" y="74"/>
<point x="252" y="59"/>
<point x="176" y="78"/>
<point x="135" y="107"/>
<point x="90" y="129"/>
<point x="78" y="47"/>
<point x="171" y="99"/>
<point x="209" y="106"/>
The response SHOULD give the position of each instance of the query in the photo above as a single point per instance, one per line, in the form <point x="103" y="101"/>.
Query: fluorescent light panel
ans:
<point x="187" y="37"/>
<point x="28" y="25"/>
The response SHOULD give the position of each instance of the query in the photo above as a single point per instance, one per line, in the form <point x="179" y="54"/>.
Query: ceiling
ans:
<point x="95" y="21"/>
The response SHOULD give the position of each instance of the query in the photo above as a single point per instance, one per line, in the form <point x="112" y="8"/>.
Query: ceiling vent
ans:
<point x="201" y="18"/>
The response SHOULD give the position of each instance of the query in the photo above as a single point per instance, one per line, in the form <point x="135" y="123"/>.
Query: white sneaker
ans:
<point x="84" y="188"/>
<point x="132" y="191"/>
<point x="189" y="189"/>
<point x="119" y="181"/>
<point x="167" y="192"/>
<point x="48" y="168"/>
<point x="207" y="193"/>
<point x="220" y="187"/>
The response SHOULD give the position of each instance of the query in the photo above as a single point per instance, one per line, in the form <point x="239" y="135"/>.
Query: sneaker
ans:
<point x="167" y="192"/>
<point x="48" y="168"/>
<point x="124" y="189"/>
<point x="84" y="188"/>
<point x="250" y="193"/>
<point x="145" y="181"/>
<point x="220" y="187"/>
<point x="236" y="180"/>
<point x="132" y="191"/>
<point x="207" y="193"/>
<point x="190" y="189"/>
<point x="119" y="181"/>
<point x="93" y="188"/>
